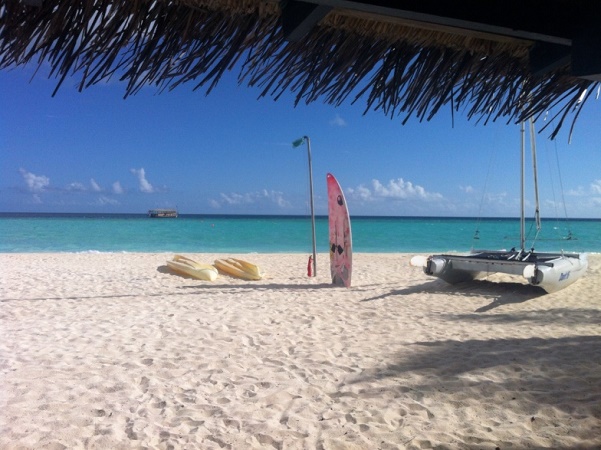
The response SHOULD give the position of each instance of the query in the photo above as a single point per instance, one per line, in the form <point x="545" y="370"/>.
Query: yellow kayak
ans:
<point x="238" y="268"/>
<point x="187" y="266"/>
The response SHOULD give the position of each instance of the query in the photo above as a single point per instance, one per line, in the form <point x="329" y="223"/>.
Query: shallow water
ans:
<point x="276" y="234"/>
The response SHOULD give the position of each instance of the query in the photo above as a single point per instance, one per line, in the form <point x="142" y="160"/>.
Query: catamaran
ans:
<point x="550" y="271"/>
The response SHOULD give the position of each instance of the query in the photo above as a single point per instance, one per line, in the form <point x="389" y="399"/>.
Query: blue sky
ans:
<point x="231" y="153"/>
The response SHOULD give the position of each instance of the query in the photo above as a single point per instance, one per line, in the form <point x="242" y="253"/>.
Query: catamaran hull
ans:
<point x="564" y="272"/>
<point x="552" y="272"/>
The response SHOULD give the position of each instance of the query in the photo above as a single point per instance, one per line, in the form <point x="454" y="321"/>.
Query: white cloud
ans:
<point x="235" y="199"/>
<point x="394" y="189"/>
<point x="103" y="200"/>
<point x="250" y="198"/>
<point x="95" y="186"/>
<point x="144" y="185"/>
<point x="467" y="189"/>
<point x="497" y="198"/>
<point x="35" y="183"/>
<point x="75" y="186"/>
<point x="277" y="198"/>
<point x="117" y="189"/>
<point x="579" y="192"/>
<point x="361" y="193"/>
<point x="338" y="121"/>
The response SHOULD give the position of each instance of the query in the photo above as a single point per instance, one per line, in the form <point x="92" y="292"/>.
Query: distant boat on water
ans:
<point x="162" y="213"/>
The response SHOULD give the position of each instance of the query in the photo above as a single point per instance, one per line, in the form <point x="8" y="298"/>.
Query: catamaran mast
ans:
<point x="535" y="170"/>
<point x="522" y="189"/>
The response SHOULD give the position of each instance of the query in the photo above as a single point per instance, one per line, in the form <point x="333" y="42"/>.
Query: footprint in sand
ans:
<point x="160" y="404"/>
<point x="99" y="412"/>
<point x="144" y="383"/>
<point x="265" y="440"/>
<point x="129" y="430"/>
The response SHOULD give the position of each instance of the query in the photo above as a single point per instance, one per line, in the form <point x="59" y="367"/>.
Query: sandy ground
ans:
<point x="114" y="351"/>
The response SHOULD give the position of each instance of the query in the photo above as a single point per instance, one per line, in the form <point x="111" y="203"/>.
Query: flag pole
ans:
<point x="295" y="144"/>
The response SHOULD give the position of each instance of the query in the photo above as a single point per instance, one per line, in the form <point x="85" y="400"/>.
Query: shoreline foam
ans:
<point x="111" y="350"/>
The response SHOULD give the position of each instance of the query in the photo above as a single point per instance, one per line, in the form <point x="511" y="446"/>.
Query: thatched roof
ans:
<point x="334" y="51"/>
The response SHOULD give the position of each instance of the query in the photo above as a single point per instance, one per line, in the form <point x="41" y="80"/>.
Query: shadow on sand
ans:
<point x="499" y="293"/>
<point x="563" y="373"/>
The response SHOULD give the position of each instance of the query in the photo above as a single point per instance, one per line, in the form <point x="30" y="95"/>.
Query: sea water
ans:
<point x="282" y="234"/>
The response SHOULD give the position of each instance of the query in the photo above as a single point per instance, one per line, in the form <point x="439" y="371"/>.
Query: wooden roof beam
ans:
<point x="586" y="53"/>
<point x="545" y="58"/>
<point x="561" y="36"/>
<point x="520" y="19"/>
<point x="298" y="18"/>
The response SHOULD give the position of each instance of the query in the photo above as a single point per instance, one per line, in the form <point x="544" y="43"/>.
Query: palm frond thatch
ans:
<point x="399" y="68"/>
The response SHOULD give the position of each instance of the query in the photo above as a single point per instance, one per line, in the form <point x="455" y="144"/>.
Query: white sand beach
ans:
<point x="113" y="351"/>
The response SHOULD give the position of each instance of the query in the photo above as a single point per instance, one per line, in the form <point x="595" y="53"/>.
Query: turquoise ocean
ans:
<point x="27" y="233"/>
